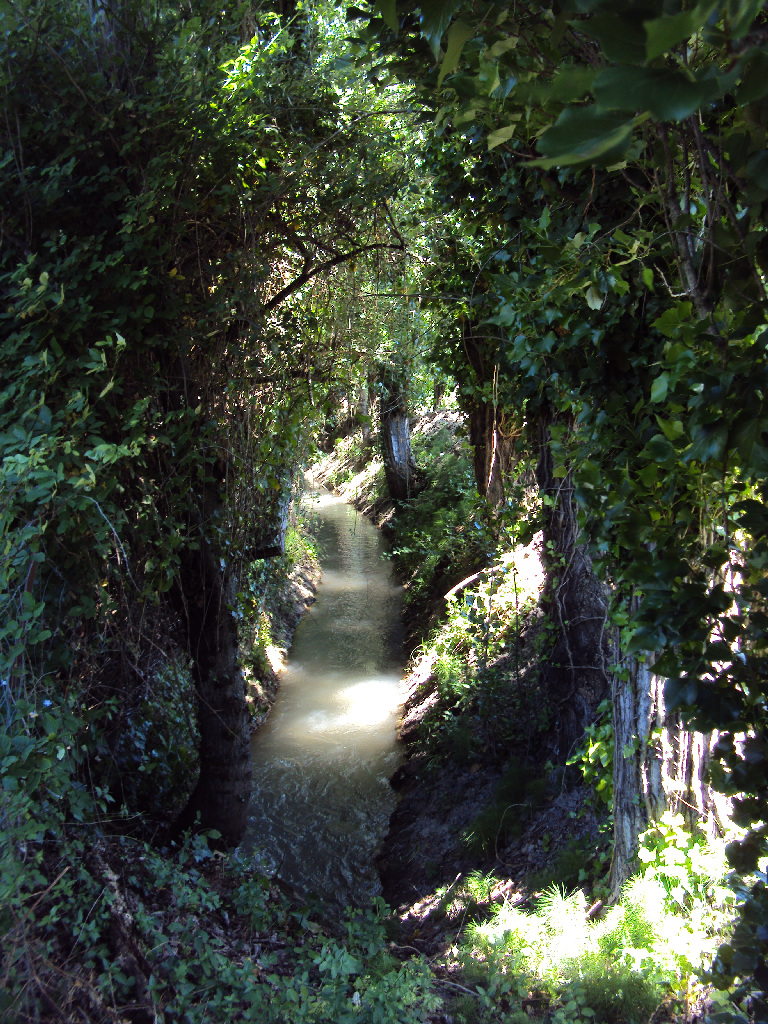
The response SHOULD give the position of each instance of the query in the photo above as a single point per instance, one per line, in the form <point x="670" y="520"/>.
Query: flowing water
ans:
<point x="321" y="763"/>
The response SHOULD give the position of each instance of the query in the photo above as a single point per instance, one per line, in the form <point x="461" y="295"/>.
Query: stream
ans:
<point x="321" y="763"/>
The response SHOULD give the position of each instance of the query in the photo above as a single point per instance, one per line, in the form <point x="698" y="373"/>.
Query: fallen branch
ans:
<point x="464" y="583"/>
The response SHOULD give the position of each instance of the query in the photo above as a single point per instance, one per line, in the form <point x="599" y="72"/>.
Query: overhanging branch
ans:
<point x="308" y="274"/>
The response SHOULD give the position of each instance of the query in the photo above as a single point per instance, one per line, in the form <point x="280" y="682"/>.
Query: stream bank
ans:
<point x="286" y="603"/>
<point x="478" y="804"/>
<point x="446" y="828"/>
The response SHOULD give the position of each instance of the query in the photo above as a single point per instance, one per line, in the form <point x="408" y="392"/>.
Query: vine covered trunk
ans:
<point x="492" y="448"/>
<point x="491" y="451"/>
<point x="575" y="673"/>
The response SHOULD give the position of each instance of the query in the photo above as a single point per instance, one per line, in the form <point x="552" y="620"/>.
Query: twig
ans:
<point x="117" y="538"/>
<point x="455" y="984"/>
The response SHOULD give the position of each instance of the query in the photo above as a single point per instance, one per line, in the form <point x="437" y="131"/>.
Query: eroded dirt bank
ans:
<point x="429" y="850"/>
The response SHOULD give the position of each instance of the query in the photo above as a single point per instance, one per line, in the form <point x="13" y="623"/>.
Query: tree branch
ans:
<point x="308" y="274"/>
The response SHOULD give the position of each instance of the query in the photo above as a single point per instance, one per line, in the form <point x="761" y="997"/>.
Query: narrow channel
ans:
<point x="321" y="763"/>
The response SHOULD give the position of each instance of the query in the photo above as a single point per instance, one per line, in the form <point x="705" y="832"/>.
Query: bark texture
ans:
<point x="658" y="765"/>
<point x="206" y="592"/>
<point x="638" y="791"/>
<point x="399" y="467"/>
<point x="575" y="675"/>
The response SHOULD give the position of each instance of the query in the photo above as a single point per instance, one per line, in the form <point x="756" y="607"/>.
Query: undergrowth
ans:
<point x="487" y="698"/>
<point x="434" y="533"/>
<point x="554" y="959"/>
<point x="98" y="929"/>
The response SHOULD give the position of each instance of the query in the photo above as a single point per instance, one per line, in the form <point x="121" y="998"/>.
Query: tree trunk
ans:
<point x="638" y="791"/>
<point x="657" y="764"/>
<point x="686" y="758"/>
<point x="206" y="592"/>
<point x="492" y="451"/>
<point x="399" y="467"/>
<point x="575" y="673"/>
<point x="364" y="413"/>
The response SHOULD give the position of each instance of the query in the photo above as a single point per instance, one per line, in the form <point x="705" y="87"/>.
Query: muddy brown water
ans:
<point x="321" y="763"/>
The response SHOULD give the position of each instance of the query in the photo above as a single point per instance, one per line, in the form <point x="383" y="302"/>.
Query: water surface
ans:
<point x="321" y="763"/>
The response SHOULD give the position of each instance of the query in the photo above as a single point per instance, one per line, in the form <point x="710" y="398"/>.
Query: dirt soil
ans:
<point x="423" y="854"/>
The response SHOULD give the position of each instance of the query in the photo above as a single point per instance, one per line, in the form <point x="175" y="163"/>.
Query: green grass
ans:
<point x="652" y="946"/>
<point x="571" y="866"/>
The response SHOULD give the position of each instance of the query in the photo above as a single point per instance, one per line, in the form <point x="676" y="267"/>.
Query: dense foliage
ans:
<point x="171" y="180"/>
<point x="604" y="165"/>
<point x="204" y="218"/>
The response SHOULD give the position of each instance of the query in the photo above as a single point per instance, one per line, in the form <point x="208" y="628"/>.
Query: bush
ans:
<point x="156" y="752"/>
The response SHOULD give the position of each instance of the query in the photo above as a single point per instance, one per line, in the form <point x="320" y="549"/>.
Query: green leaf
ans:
<point x="669" y="321"/>
<point x="754" y="83"/>
<point x="571" y="84"/>
<point x="621" y="36"/>
<point x="501" y="135"/>
<point x="672" y="429"/>
<point x="757" y="169"/>
<point x="387" y="9"/>
<point x="665" y="33"/>
<point x="594" y="297"/>
<point x="708" y="443"/>
<point x="680" y="692"/>
<point x="458" y="34"/>
<point x="647" y="639"/>
<point x="753" y="516"/>
<point x="586" y="135"/>
<point x="503" y="46"/>
<point x="668" y="93"/>
<point x="649" y="475"/>
<point x="659" y="449"/>
<point x="435" y="18"/>
<point x="747" y="434"/>
<point x="743" y="17"/>
<point x="659" y="388"/>
<point x="744" y="855"/>
<point x="590" y="475"/>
